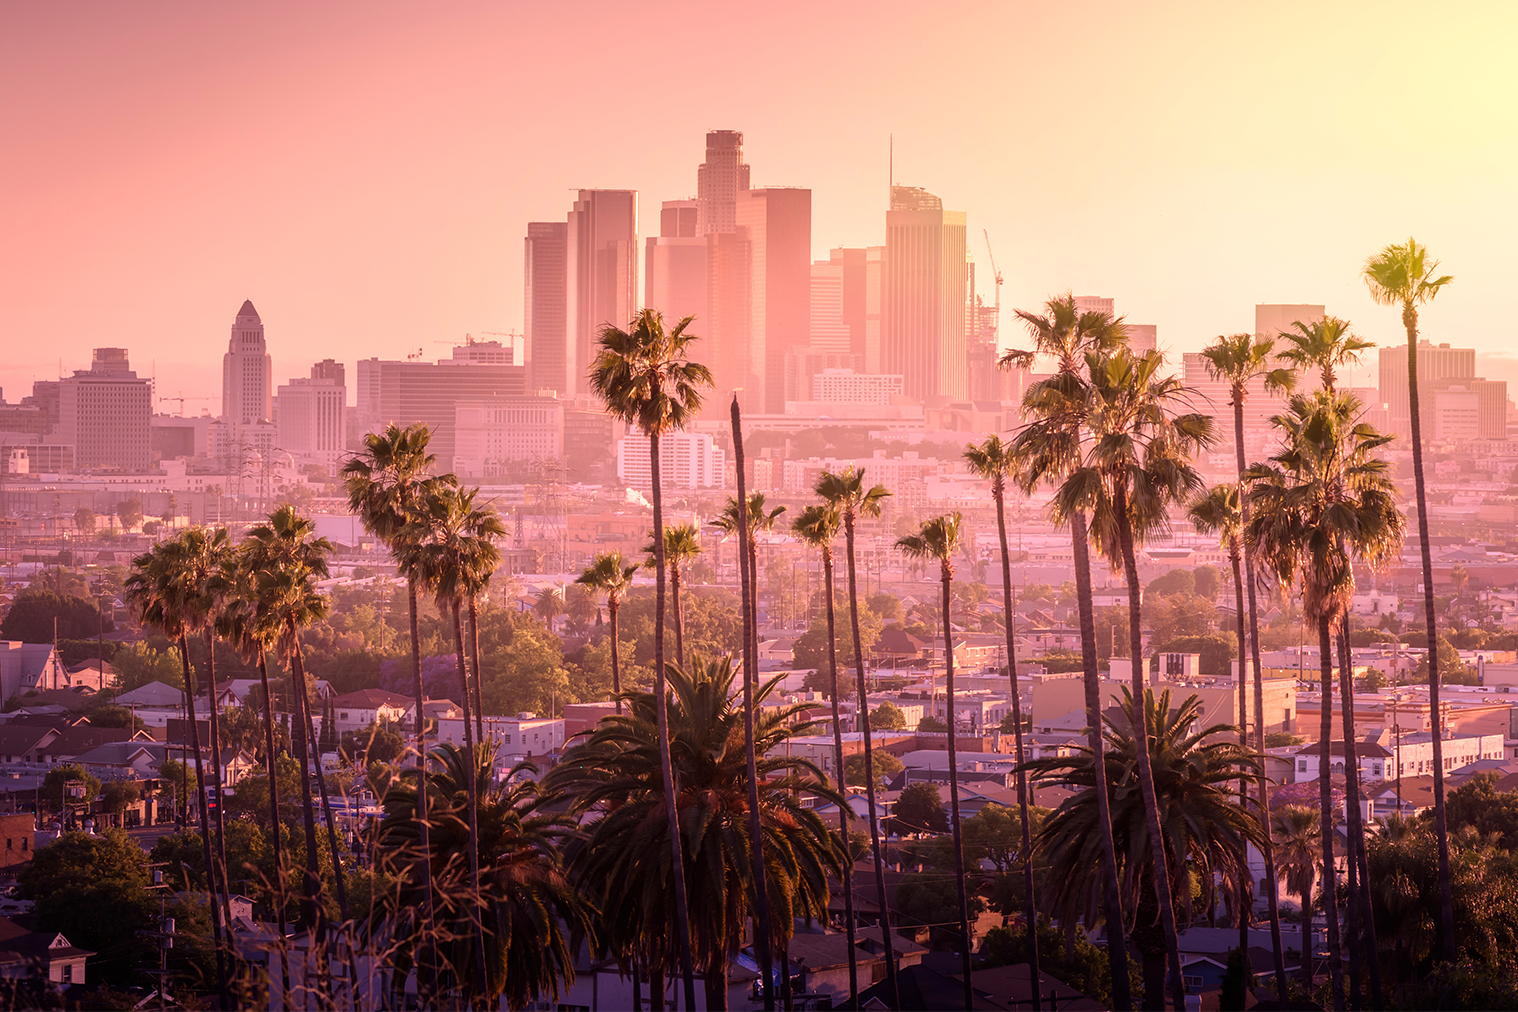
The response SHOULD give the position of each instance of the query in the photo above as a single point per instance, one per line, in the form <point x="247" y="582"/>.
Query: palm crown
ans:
<point x="845" y="489"/>
<point x="386" y="483"/>
<point x="1236" y="359"/>
<point x="1404" y="275"/>
<point x="1326" y="345"/>
<point x="938" y="538"/>
<point x="682" y="542"/>
<point x="609" y="574"/>
<point x="1216" y="511"/>
<point x="817" y="525"/>
<point x="993" y="460"/>
<point x="459" y="556"/>
<point x="645" y="376"/>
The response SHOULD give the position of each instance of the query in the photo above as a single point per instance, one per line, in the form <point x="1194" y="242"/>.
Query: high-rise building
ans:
<point x="409" y="392"/>
<point x="686" y="460"/>
<point x="678" y="219"/>
<point x="675" y="266"/>
<point x="719" y="180"/>
<point x="600" y="276"/>
<point x="491" y="436"/>
<point x="544" y="303"/>
<point x="104" y="413"/>
<point x="1274" y="320"/>
<point x="310" y="420"/>
<point x="247" y="372"/>
<point x="1439" y="366"/>
<point x="775" y="224"/>
<point x="329" y="369"/>
<point x="1095" y="304"/>
<point x="925" y="294"/>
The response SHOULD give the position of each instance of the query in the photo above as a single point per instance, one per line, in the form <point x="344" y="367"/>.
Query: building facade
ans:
<point x="247" y="371"/>
<point x="104" y="413"/>
<point x="686" y="460"/>
<point x="600" y="276"/>
<point x="925" y="294"/>
<point x="544" y="305"/>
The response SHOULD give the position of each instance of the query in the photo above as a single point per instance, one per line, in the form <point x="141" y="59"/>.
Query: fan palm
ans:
<point x="1243" y="361"/>
<point x="645" y="377"/>
<point x="611" y="576"/>
<point x="549" y="605"/>
<point x="1298" y="834"/>
<point x="1201" y="819"/>
<point x="757" y="519"/>
<point x="818" y="526"/>
<point x="995" y="461"/>
<point x="386" y="485"/>
<point x="846" y="492"/>
<point x="937" y="540"/>
<point x="1404" y="275"/>
<point x="526" y="898"/>
<point x="1326" y="345"/>
<point x="1049" y="448"/>
<point x="682" y="544"/>
<point x="621" y="862"/>
<point x="1323" y="497"/>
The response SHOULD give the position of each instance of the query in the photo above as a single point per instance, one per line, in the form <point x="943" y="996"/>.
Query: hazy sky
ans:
<point x="364" y="172"/>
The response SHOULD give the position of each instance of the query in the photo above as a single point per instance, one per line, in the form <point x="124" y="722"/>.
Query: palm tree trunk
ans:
<point x="1158" y="851"/>
<point x="312" y="916"/>
<point x="426" y="970"/>
<point x="298" y="661"/>
<point x="959" y="840"/>
<point x="474" y="651"/>
<point x="1245" y="890"/>
<point x="612" y="605"/>
<point x="863" y="719"/>
<point x="1272" y="884"/>
<point x="1030" y="909"/>
<point x="674" y="596"/>
<point x="471" y="788"/>
<point x="763" y="929"/>
<point x="1325" y="801"/>
<point x="205" y="825"/>
<point x="271" y="764"/>
<point x="1441" y="824"/>
<point x="1362" y="926"/>
<point x="843" y="790"/>
<point x="1307" y="947"/>
<point x="1117" y="945"/>
<point x="219" y="823"/>
<point x="661" y="709"/>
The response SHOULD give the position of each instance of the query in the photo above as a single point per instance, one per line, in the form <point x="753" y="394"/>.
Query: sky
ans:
<point x="364" y="172"/>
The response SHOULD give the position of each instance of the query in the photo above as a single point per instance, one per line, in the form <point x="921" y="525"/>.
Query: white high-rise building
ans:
<point x="311" y="422"/>
<point x="686" y="460"/>
<point x="247" y="372"/>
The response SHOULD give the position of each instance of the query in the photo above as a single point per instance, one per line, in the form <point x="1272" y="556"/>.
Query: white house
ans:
<point x="526" y="734"/>
<point x="356" y="711"/>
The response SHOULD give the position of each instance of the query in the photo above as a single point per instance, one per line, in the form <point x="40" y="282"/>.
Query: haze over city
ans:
<point x="364" y="173"/>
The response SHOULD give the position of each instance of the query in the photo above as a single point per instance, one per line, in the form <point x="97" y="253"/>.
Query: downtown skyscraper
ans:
<point x="925" y="296"/>
<point x="247" y="372"/>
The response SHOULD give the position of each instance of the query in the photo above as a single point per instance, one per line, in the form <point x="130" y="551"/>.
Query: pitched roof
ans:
<point x="21" y="739"/>
<point x="1363" y="749"/>
<point x="370" y="699"/>
<point x="248" y="310"/>
<point x="72" y="741"/>
<point x="151" y="694"/>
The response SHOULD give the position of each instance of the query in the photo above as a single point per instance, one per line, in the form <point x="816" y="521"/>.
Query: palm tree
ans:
<point x="757" y="518"/>
<point x="455" y="564"/>
<point x="1242" y="361"/>
<point x="1203" y="822"/>
<point x="847" y="493"/>
<point x="1049" y="448"/>
<point x="609" y="575"/>
<point x="161" y="588"/>
<point x="1137" y="467"/>
<point x="1405" y="275"/>
<point x="995" y="461"/>
<point x="1298" y="833"/>
<point x="645" y="377"/>
<point x="616" y="776"/>
<point x="1326" y="345"/>
<point x="1322" y="497"/>
<point x="549" y="605"/>
<point x="938" y="539"/>
<point x="818" y="526"/>
<point x="526" y="898"/>
<point x="682" y="544"/>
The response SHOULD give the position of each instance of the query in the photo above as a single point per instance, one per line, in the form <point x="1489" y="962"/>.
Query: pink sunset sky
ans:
<point x="364" y="171"/>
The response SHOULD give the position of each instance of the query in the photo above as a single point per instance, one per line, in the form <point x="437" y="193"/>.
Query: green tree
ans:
<point x="1177" y="581"/>
<point x="645" y="377"/>
<point x="139" y="663"/>
<point x="34" y="611"/>
<point x="84" y="521"/>
<point x="1298" y="835"/>
<point x="1209" y="582"/>
<point x="930" y="724"/>
<point x="92" y="889"/>
<point x="919" y="809"/>
<point x="682" y="546"/>
<point x="609" y="574"/>
<point x="1083" y="966"/>
<point x="70" y="787"/>
<point x="884" y="765"/>
<point x="887" y="717"/>
<point x="926" y="898"/>
<point x="811" y="648"/>
<point x="129" y="512"/>
<point x="1216" y="652"/>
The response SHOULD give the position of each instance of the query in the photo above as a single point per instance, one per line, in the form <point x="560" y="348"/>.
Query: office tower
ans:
<point x="775" y="225"/>
<point x="544" y="306"/>
<point x="675" y="266"/>
<point x="310" y="422"/>
<point x="719" y="180"/>
<point x="1275" y="320"/>
<point x="1143" y="337"/>
<point x="686" y="460"/>
<point x="828" y="331"/>
<point x="923" y="336"/>
<point x="1094" y="304"/>
<point x="104" y="413"/>
<point x="494" y="437"/>
<point x="600" y="278"/>
<point x="429" y="392"/>
<point x="247" y="372"/>
<point x="1439" y="366"/>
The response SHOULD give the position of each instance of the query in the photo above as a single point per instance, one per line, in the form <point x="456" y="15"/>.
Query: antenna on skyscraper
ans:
<point x="890" y="168"/>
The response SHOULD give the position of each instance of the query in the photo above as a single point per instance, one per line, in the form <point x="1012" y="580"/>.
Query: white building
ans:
<point x="686" y="460"/>
<point x="525" y="735"/>
<point x="247" y="371"/>
<point x="491" y="434"/>
<point x="310" y="422"/>
<point x="845" y="386"/>
<point x="1415" y="754"/>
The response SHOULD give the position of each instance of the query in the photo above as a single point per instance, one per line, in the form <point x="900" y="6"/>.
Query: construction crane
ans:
<point x="997" y="273"/>
<point x="180" y="400"/>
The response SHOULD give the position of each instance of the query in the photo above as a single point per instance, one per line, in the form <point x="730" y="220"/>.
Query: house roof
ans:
<point x="19" y="740"/>
<point x="1009" y="987"/>
<point x="72" y="741"/>
<point x="151" y="694"/>
<point x="921" y="990"/>
<point x="371" y="699"/>
<point x="19" y="944"/>
<point x="1363" y="749"/>
<point x="93" y="664"/>
<point x="122" y="753"/>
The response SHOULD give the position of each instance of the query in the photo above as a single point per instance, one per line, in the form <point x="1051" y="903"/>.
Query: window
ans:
<point x="68" y="973"/>
<point x="342" y="716"/>
<point x="506" y="739"/>
<point x="24" y="842"/>
<point x="1301" y="765"/>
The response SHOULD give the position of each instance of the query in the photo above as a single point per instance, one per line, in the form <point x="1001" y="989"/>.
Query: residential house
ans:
<point x="526" y="734"/>
<point x="28" y="666"/>
<point x="356" y="711"/>
<point x="45" y="955"/>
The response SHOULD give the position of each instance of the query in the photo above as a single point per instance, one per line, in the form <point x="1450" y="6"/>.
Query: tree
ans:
<point x="930" y="724"/>
<point x="34" y="611"/>
<point x="1298" y="835"/>
<point x="682" y="546"/>
<point x="1083" y="966"/>
<point x="926" y="898"/>
<point x="1209" y="582"/>
<point x="608" y="574"/>
<point x="811" y="648"/>
<point x="1177" y="581"/>
<point x="1215" y="649"/>
<point x="887" y="717"/>
<point x="1179" y="614"/>
<point x="846" y="492"/>
<point x="84" y="521"/>
<point x="1325" y="345"/>
<point x="884" y="765"/>
<point x="615" y="781"/>
<point x="129" y="512"/>
<point x="1404" y="275"/>
<point x="1047" y="450"/>
<point x="645" y="377"/>
<point x="919" y="809"/>
<point x="69" y="787"/>
<point x="755" y="519"/>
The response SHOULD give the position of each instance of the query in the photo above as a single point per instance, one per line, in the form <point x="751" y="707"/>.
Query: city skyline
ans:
<point x="1268" y="188"/>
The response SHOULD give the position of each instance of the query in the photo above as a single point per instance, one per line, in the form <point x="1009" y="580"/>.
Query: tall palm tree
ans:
<point x="608" y="574"/>
<point x="1049" y="448"/>
<point x="755" y="519"/>
<point x="1324" y="496"/>
<point x="615" y="780"/>
<point x="645" y="377"/>
<point x="527" y="899"/>
<point x="682" y="544"/>
<point x="847" y="493"/>
<point x="1325" y="345"/>
<point x="1204" y="825"/>
<point x="1404" y="275"/>
<point x="1244" y="361"/>
<point x="455" y="564"/>
<point x="1298" y="833"/>
<point x="818" y="526"/>
<point x="937" y="540"/>
<point x="995" y="461"/>
<point x="386" y="484"/>
<point x="160" y="588"/>
<point x="1138" y="467"/>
